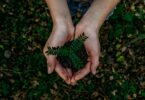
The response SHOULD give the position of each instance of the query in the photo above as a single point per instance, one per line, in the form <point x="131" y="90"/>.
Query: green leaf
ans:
<point x="140" y="37"/>
<point x="128" y="17"/>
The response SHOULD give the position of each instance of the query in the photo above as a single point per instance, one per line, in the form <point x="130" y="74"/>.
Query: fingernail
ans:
<point x="68" y="81"/>
<point x="94" y="72"/>
<point x="74" y="84"/>
<point x="49" y="70"/>
<point x="72" y="80"/>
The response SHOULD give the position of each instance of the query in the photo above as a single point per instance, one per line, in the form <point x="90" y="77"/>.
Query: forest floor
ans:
<point x="25" y="26"/>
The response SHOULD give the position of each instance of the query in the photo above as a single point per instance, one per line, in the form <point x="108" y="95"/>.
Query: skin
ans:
<point x="63" y="31"/>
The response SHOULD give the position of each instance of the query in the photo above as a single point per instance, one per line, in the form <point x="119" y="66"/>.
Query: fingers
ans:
<point x="62" y="72"/>
<point x="81" y="73"/>
<point x="51" y="63"/>
<point x="69" y="73"/>
<point x="94" y="64"/>
<point x="70" y="76"/>
<point x="93" y="49"/>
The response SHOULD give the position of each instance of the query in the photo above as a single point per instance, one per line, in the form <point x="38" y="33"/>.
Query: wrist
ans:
<point x="63" y="25"/>
<point x="93" y="20"/>
<point x="97" y="13"/>
<point x="62" y="19"/>
<point x="88" y="25"/>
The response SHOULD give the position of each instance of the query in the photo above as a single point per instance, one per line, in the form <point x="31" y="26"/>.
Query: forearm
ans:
<point x="99" y="10"/>
<point x="59" y="10"/>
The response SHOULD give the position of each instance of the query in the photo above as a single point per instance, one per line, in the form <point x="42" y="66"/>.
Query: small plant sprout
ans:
<point x="72" y="54"/>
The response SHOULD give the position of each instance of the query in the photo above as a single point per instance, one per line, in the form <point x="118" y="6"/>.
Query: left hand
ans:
<point x="92" y="47"/>
<point x="90" y="25"/>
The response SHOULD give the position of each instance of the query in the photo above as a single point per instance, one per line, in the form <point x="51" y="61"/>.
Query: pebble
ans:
<point x="7" y="54"/>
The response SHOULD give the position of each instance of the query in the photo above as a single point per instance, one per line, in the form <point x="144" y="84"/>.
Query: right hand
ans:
<point x="61" y="33"/>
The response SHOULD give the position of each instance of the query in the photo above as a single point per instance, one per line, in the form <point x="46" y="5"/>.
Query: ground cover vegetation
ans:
<point x="25" y="26"/>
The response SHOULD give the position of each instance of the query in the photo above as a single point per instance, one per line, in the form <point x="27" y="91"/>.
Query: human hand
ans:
<point x="90" y="25"/>
<point x="61" y="33"/>
<point x="92" y="47"/>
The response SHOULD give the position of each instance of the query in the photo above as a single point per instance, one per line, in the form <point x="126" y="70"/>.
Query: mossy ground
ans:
<point x="26" y="25"/>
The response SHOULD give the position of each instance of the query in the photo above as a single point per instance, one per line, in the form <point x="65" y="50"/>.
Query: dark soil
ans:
<point x="66" y="62"/>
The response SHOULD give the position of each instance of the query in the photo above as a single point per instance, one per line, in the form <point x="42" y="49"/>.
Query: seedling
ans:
<point x="72" y="54"/>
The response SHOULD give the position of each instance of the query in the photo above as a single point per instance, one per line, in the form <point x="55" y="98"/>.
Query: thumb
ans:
<point x="78" y="31"/>
<point x="51" y="63"/>
<point x="94" y="64"/>
<point x="50" y="59"/>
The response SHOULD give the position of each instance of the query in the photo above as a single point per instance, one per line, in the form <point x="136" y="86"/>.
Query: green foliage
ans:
<point x="128" y="17"/>
<point x="138" y="38"/>
<point x="70" y="50"/>
<point x="126" y="22"/>
<point x="25" y="26"/>
<point x="4" y="88"/>
<point x="143" y="93"/>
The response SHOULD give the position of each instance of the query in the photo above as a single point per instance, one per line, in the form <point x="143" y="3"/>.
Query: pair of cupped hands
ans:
<point x="65" y="31"/>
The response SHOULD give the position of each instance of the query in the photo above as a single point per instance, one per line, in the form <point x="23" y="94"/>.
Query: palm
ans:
<point x="58" y="38"/>
<point x="92" y="47"/>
